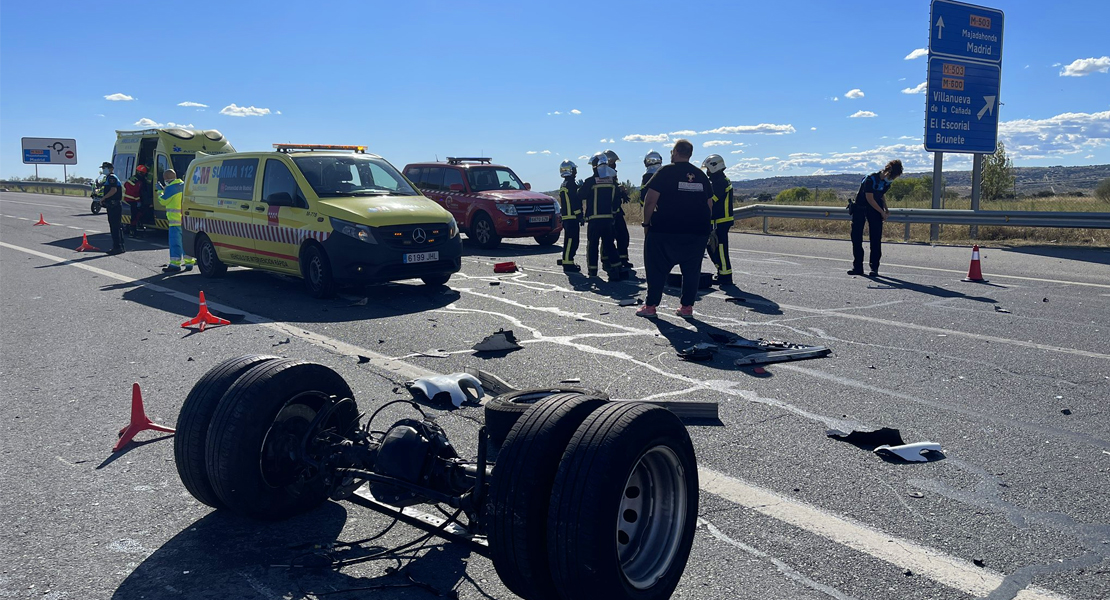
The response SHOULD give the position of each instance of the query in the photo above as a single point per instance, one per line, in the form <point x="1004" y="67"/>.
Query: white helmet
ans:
<point x="612" y="158"/>
<point x="598" y="160"/>
<point x="567" y="169"/>
<point x="653" y="159"/>
<point x="713" y="163"/>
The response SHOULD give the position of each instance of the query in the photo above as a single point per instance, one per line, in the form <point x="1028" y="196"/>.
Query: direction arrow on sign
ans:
<point x="989" y="106"/>
<point x="940" y="27"/>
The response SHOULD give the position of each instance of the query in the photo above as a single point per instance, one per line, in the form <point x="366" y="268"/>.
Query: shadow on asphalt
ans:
<point x="224" y="556"/>
<point x="113" y="457"/>
<point x="933" y="290"/>
<point x="1099" y="256"/>
<point x="753" y="301"/>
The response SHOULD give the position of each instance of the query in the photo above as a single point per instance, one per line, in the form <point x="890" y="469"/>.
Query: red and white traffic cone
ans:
<point x="85" y="245"/>
<point x="975" y="272"/>
<point x="139" y="420"/>
<point x="204" y="317"/>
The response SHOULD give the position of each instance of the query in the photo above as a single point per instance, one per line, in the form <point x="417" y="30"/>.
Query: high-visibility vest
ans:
<point x="171" y="199"/>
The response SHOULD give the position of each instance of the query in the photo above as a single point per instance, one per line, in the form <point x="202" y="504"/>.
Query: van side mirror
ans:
<point x="458" y="187"/>
<point x="279" y="199"/>
<point x="527" y="186"/>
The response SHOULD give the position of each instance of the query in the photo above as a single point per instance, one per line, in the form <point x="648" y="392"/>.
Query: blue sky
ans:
<point x="768" y="85"/>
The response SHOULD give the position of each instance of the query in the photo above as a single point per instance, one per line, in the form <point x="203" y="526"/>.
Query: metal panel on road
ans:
<point x="49" y="151"/>
<point x="961" y="110"/>
<point x="959" y="30"/>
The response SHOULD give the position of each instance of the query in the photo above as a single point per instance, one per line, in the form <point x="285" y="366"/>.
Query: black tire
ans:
<point x="316" y="270"/>
<point x="521" y="489"/>
<point x="624" y="505"/>
<point x="436" y="280"/>
<point x="189" y="443"/>
<point x="208" y="262"/>
<point x="95" y="207"/>
<point x="251" y="472"/>
<point x="483" y="231"/>
<point x="503" y="411"/>
<point x="548" y="238"/>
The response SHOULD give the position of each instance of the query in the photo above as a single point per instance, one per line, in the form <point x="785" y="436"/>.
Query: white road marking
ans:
<point x="945" y="569"/>
<point x="34" y="203"/>
<point x="953" y="572"/>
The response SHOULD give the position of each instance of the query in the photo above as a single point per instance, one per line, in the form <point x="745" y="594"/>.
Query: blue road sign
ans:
<point x="35" y="156"/>
<point x="961" y="109"/>
<point x="966" y="31"/>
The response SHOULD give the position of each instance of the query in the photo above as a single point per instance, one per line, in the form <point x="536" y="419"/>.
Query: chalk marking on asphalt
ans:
<point x="381" y="361"/>
<point x="936" y="565"/>
<point x="953" y="572"/>
<point x="787" y="571"/>
<point x="733" y="251"/>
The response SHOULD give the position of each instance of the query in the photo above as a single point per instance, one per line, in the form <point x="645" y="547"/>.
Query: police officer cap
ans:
<point x="106" y="165"/>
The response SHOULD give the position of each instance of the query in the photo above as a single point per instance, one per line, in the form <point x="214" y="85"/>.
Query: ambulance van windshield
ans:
<point x="337" y="176"/>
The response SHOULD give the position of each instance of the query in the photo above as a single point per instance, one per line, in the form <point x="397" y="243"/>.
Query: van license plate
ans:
<point x="543" y="219"/>
<point x="419" y="257"/>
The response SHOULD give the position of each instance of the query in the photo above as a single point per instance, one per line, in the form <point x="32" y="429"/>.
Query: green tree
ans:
<point x="1102" y="190"/>
<point x="826" y="196"/>
<point x="796" y="195"/>
<point x="765" y="197"/>
<point x="998" y="175"/>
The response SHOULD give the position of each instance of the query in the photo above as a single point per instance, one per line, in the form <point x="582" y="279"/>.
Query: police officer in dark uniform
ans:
<point x="870" y="207"/>
<point x="722" y="217"/>
<point x="600" y="193"/>
<point x="113" y="204"/>
<point x="571" y="207"/>
<point x="620" y="226"/>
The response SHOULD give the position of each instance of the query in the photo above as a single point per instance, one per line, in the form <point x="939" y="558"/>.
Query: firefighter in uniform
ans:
<point x="722" y="217"/>
<point x="620" y="226"/>
<point x="600" y="193"/>
<point x="571" y="206"/>
<point x="652" y="162"/>
<point x="169" y="196"/>
<point x="132" y="195"/>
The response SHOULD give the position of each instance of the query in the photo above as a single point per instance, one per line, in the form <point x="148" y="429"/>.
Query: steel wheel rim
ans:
<point x="316" y="270"/>
<point x="483" y="231"/>
<point x="651" y="517"/>
<point x="208" y="253"/>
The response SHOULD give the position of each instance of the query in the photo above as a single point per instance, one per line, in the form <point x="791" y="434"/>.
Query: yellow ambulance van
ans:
<point x="332" y="215"/>
<point x="158" y="150"/>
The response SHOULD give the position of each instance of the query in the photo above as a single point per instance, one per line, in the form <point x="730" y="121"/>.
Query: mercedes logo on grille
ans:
<point x="419" y="236"/>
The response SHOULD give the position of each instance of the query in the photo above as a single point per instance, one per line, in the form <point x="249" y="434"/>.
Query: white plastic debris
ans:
<point x="910" y="452"/>
<point x="453" y="384"/>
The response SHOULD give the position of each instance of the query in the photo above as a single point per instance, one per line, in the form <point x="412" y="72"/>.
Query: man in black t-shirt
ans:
<point x="677" y="213"/>
<point x="870" y="208"/>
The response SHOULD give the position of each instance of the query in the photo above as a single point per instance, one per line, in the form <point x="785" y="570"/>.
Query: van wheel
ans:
<point x="209" y="263"/>
<point x="483" y="232"/>
<point x="548" y="238"/>
<point x="316" y="271"/>
<point x="435" y="280"/>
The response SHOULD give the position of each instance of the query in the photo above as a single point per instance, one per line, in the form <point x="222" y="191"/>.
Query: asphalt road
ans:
<point x="1011" y="377"/>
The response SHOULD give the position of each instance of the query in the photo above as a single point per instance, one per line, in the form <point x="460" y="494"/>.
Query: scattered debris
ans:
<point x="190" y="359"/>
<point x="736" y="300"/>
<point x="285" y="341"/>
<point x="1000" y="309"/>
<point x="698" y="352"/>
<point x="490" y="382"/>
<point x="871" y="367"/>
<point x="363" y="359"/>
<point x="630" y="302"/>
<point x="437" y="353"/>
<point x="804" y="353"/>
<point x="759" y="371"/>
<point x="505" y="267"/>
<point x="978" y="562"/>
<point x="869" y="440"/>
<point x="908" y="573"/>
<point x="1066" y="411"/>
<point x="602" y="314"/>
<point x="502" y="341"/>
<point x="1045" y="300"/>
<point x="914" y="452"/>
<point x="360" y="302"/>
<point x="572" y="380"/>
<point x="495" y="283"/>
<point x="916" y="495"/>
<point x="455" y="386"/>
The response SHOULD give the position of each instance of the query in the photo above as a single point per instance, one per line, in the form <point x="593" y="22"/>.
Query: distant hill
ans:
<point x="1028" y="181"/>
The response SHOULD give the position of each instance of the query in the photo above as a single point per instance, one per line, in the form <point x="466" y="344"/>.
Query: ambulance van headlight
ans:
<point x="359" y="232"/>
<point x="452" y="228"/>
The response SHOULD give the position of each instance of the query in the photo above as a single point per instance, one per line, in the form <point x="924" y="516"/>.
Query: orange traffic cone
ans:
<point x="42" y="221"/>
<point x="85" y="245"/>
<point x="974" y="272"/>
<point x="204" y="317"/>
<point x="139" y="420"/>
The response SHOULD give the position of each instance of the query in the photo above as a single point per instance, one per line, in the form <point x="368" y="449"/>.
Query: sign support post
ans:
<point x="976" y="190"/>
<point x="938" y="175"/>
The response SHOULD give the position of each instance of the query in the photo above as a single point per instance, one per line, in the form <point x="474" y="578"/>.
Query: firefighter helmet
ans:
<point x="568" y="169"/>
<point x="713" y="163"/>
<point x="598" y="159"/>
<point x="653" y="159"/>
<point x="612" y="158"/>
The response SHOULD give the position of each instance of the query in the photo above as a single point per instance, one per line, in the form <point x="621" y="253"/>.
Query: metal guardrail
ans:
<point x="1078" y="220"/>
<point x="22" y="186"/>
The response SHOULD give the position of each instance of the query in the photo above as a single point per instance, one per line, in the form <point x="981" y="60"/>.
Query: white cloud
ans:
<point x="1089" y="156"/>
<point x="612" y="141"/>
<point x="658" y="138"/>
<point x="836" y="99"/>
<point x="530" y="152"/>
<point x="711" y="143"/>
<point x="853" y="94"/>
<point x="1026" y="66"/>
<point x="917" y="53"/>
<point x="277" y="112"/>
<point x="146" y="123"/>
<point x="575" y="111"/>
<point x="1063" y="134"/>
<point x="583" y="157"/>
<point x="737" y="152"/>
<point x="907" y="137"/>
<point x="762" y="128"/>
<point x="917" y="89"/>
<point x="602" y="140"/>
<point x="118" y="98"/>
<point x="805" y="155"/>
<point x="862" y="114"/>
<point x="546" y="152"/>
<point x="684" y="133"/>
<point x="813" y="129"/>
<point x="243" y="111"/>
<point x="99" y="115"/>
<point x="1081" y="67"/>
<point x="556" y="113"/>
<point x="193" y="104"/>
<point x="772" y="158"/>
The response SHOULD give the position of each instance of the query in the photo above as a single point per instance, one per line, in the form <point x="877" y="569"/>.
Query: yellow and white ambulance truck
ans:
<point x="161" y="149"/>
<point x="332" y="215"/>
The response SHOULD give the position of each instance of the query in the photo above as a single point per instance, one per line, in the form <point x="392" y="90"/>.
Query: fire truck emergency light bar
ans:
<point x="454" y="161"/>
